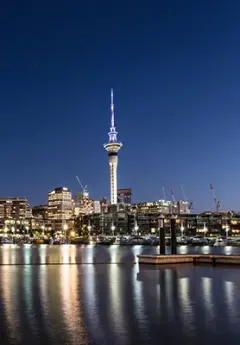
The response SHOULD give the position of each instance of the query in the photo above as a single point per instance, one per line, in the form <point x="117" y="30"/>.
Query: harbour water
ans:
<point x="105" y="299"/>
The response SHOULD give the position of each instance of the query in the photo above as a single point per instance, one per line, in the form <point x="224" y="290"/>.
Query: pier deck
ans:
<point x="194" y="259"/>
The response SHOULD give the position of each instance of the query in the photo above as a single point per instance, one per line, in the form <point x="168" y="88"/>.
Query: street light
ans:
<point x="227" y="230"/>
<point x="27" y="228"/>
<point x="89" y="229"/>
<point x="205" y="229"/>
<point x="113" y="228"/>
<point x="65" y="227"/>
<point x="136" y="228"/>
<point x="43" y="228"/>
<point x="182" y="229"/>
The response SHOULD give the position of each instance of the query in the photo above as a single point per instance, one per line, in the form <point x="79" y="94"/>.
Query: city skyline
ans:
<point x="175" y="73"/>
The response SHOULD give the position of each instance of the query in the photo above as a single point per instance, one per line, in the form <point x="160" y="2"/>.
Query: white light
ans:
<point x="65" y="227"/>
<point x="113" y="227"/>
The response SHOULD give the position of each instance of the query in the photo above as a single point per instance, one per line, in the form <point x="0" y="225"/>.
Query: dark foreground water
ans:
<point x="116" y="303"/>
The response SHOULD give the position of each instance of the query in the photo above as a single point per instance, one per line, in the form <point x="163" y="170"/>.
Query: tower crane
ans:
<point x="216" y="202"/>
<point x="164" y="193"/>
<point x="84" y="188"/>
<point x="173" y="196"/>
<point x="186" y="199"/>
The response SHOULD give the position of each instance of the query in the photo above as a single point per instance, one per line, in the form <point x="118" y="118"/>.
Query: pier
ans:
<point x="187" y="259"/>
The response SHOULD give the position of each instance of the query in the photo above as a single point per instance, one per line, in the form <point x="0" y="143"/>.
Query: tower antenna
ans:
<point x="112" y="110"/>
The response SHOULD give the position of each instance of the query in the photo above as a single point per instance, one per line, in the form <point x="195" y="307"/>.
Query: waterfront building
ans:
<point x="60" y="204"/>
<point x="124" y="196"/>
<point x="60" y="209"/>
<point x="163" y="206"/>
<point x="14" y="208"/>
<point x="112" y="147"/>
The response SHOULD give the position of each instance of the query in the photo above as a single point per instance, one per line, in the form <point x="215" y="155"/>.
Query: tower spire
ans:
<point x="112" y="134"/>
<point x="112" y="110"/>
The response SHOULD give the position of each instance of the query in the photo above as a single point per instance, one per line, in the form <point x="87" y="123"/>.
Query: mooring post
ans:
<point x="161" y="234"/>
<point x="173" y="235"/>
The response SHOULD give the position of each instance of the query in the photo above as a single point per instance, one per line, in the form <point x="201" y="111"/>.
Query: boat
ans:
<point x="105" y="241"/>
<point x="220" y="242"/>
<point x="6" y="241"/>
<point x="199" y="240"/>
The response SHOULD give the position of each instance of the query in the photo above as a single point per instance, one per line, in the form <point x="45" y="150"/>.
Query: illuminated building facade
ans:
<point x="112" y="147"/>
<point x="60" y="205"/>
<point x="14" y="208"/>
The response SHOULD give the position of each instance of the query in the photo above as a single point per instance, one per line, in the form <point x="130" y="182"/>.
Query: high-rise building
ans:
<point x="14" y="208"/>
<point x="124" y="196"/>
<point x="60" y="205"/>
<point x="112" y="147"/>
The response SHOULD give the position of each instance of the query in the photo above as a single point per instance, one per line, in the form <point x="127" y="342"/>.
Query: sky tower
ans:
<point x="112" y="147"/>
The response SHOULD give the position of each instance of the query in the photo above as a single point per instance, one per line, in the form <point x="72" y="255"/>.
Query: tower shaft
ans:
<point x="113" y="163"/>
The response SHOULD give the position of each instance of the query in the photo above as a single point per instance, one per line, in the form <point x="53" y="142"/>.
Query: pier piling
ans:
<point x="173" y="235"/>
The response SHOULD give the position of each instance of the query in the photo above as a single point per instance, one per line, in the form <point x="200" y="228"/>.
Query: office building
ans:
<point x="60" y="205"/>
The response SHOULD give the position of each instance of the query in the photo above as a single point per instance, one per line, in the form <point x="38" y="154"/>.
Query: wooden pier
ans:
<point x="186" y="259"/>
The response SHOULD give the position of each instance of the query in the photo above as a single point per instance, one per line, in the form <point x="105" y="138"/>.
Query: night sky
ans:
<point x="175" y="70"/>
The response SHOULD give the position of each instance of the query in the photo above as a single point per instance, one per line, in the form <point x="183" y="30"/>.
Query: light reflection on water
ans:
<point x="114" y="303"/>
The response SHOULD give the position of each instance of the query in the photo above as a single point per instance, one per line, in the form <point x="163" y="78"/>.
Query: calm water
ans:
<point x="118" y="303"/>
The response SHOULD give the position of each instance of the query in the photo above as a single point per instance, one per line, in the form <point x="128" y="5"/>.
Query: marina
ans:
<point x="117" y="302"/>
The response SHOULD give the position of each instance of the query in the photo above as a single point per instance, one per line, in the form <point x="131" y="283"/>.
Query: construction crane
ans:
<point x="173" y="196"/>
<point x="84" y="188"/>
<point x="186" y="199"/>
<point x="183" y="193"/>
<point x="164" y="193"/>
<point x="216" y="202"/>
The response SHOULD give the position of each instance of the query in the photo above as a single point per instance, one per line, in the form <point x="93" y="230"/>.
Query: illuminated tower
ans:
<point x="112" y="147"/>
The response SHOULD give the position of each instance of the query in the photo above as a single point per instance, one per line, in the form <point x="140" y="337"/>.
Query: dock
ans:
<point x="187" y="259"/>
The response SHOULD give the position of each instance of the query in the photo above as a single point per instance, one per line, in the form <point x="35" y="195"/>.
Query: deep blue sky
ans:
<point x="175" y="69"/>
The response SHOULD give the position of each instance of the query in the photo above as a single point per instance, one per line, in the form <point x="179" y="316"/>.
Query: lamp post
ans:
<point x="136" y="228"/>
<point x="27" y="229"/>
<point x="205" y="229"/>
<point x="89" y="228"/>
<point x="65" y="227"/>
<point x="227" y="230"/>
<point x="43" y="229"/>
<point x="182" y="229"/>
<point x="113" y="228"/>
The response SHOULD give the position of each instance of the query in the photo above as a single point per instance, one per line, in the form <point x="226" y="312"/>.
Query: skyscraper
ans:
<point x="112" y="147"/>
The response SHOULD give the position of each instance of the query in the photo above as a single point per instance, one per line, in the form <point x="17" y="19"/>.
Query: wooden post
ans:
<point x="173" y="235"/>
<point x="161" y="235"/>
